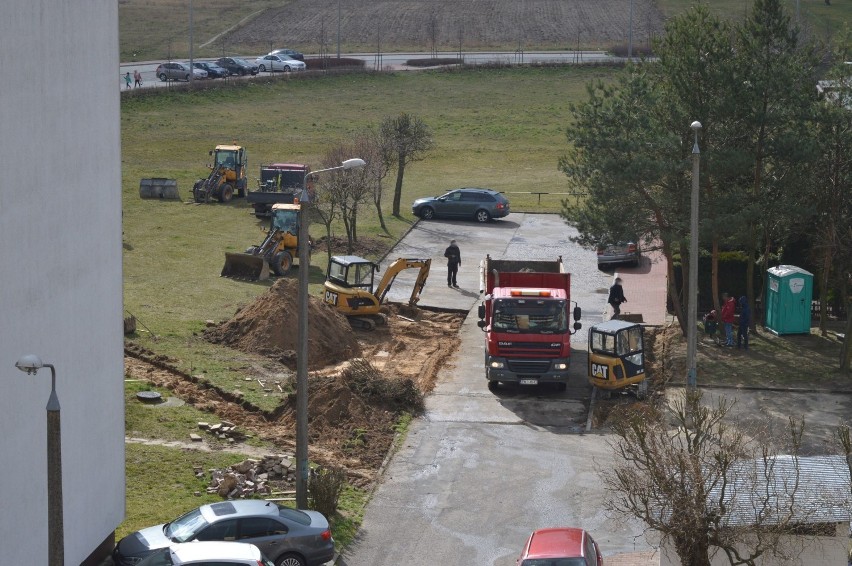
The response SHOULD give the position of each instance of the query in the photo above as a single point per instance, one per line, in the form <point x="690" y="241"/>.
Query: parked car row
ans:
<point x="285" y="60"/>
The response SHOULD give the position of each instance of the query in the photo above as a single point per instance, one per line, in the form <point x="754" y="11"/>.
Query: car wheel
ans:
<point x="286" y="68"/>
<point x="290" y="560"/>
<point x="242" y="72"/>
<point x="427" y="213"/>
<point x="262" y="68"/>
<point x="482" y="216"/>
<point x="186" y="78"/>
<point x="163" y="77"/>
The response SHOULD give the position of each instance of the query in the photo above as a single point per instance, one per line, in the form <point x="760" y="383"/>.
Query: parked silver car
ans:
<point x="622" y="252"/>
<point x="207" y="553"/>
<point x="178" y="72"/>
<point x="278" y="63"/>
<point x="288" y="537"/>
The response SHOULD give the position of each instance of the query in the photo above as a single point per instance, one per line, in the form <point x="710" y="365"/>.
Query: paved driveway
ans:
<point x="480" y="471"/>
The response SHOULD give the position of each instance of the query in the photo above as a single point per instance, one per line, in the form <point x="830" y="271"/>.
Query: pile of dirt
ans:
<point x="269" y="326"/>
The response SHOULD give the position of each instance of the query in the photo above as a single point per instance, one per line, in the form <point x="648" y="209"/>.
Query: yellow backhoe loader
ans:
<point x="617" y="357"/>
<point x="227" y="175"/>
<point x="349" y="287"/>
<point x="276" y="253"/>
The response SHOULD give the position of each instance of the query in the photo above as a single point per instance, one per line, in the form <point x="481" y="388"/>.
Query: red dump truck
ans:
<point x="525" y="317"/>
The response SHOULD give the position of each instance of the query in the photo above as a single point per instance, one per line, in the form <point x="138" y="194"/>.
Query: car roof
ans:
<point x="238" y="508"/>
<point x="565" y="542"/>
<point x="218" y="550"/>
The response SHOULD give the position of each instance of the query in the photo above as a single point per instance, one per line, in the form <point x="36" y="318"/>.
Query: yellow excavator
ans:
<point x="276" y="253"/>
<point x="349" y="287"/>
<point x="227" y="175"/>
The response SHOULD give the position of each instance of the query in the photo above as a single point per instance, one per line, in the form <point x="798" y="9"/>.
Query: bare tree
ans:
<point x="325" y="209"/>
<point x="379" y="155"/>
<point x="351" y="188"/>
<point x="409" y="138"/>
<point x="704" y="486"/>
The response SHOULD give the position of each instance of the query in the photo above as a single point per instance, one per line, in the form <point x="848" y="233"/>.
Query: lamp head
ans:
<point x="353" y="163"/>
<point x="696" y="125"/>
<point x="29" y="363"/>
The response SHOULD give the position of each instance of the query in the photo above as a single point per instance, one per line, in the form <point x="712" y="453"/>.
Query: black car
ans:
<point x="481" y="205"/>
<point x="237" y="66"/>
<point x="214" y="71"/>
<point x="288" y="54"/>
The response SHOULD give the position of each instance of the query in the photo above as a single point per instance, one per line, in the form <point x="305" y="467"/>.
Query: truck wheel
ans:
<point x="493" y="385"/>
<point x="226" y="193"/>
<point x="281" y="263"/>
<point x="427" y="213"/>
<point x="482" y="216"/>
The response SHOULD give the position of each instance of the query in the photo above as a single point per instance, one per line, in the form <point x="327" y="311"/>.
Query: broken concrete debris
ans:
<point x="272" y="474"/>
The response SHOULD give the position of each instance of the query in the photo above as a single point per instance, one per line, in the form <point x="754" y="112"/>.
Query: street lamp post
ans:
<point x="55" y="525"/>
<point x="302" y="353"/>
<point x="692" y="315"/>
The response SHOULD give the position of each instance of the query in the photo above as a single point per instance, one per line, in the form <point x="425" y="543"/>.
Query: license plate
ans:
<point x="529" y="382"/>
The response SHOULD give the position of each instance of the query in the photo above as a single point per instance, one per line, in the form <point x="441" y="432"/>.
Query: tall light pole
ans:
<point x="630" y="34"/>
<point x="338" y="29"/>
<point x="302" y="353"/>
<point x="191" y="61"/>
<point x="55" y="525"/>
<point x="692" y="314"/>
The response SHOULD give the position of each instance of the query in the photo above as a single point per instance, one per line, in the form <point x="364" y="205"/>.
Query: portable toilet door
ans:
<point x="789" y="291"/>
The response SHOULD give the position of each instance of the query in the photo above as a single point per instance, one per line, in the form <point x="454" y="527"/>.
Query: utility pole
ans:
<point x="692" y="315"/>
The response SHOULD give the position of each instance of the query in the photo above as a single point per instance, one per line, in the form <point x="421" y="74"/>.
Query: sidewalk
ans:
<point x="645" y="289"/>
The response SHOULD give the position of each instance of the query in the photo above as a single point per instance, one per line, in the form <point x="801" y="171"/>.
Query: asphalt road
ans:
<point x="394" y="61"/>
<point x="480" y="471"/>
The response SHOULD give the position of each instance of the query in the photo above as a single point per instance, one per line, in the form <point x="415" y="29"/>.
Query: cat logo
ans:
<point x="600" y="371"/>
<point x="331" y="297"/>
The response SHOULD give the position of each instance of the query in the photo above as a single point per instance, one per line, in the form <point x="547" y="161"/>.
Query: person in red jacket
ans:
<point x="729" y="307"/>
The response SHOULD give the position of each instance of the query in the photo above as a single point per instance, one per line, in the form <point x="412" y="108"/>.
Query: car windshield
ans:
<point x="185" y="527"/>
<point x="554" y="562"/>
<point x="530" y="316"/>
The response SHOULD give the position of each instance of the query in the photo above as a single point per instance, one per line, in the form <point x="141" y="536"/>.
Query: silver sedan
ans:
<point x="278" y="63"/>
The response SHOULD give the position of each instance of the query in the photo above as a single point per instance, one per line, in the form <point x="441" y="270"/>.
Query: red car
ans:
<point x="560" y="547"/>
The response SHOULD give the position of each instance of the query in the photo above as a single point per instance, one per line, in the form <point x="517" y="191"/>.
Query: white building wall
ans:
<point x="60" y="271"/>
<point x="794" y="551"/>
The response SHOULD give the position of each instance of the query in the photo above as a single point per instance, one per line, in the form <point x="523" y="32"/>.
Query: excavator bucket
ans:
<point x="245" y="266"/>
<point x="158" y="187"/>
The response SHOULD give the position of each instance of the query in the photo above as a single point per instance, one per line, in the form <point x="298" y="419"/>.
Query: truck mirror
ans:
<point x="577" y="326"/>
<point x="480" y="323"/>
<point x="577" y="313"/>
<point x="481" y="311"/>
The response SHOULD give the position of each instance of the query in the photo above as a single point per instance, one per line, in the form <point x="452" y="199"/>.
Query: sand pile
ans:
<point x="269" y="326"/>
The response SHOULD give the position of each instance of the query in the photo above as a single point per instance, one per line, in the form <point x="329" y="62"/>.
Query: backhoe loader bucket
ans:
<point x="158" y="187"/>
<point x="245" y="266"/>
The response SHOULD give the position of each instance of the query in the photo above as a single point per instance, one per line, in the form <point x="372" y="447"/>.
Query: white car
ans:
<point x="205" y="553"/>
<point x="278" y="63"/>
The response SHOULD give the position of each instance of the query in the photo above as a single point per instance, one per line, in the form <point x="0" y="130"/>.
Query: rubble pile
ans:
<point x="274" y="474"/>
<point x="224" y="430"/>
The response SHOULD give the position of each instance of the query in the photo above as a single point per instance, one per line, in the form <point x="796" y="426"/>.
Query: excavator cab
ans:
<point x="617" y="356"/>
<point x="350" y="287"/>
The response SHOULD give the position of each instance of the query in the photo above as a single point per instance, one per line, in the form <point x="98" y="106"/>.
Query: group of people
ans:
<point x="728" y="317"/>
<point x="137" y="79"/>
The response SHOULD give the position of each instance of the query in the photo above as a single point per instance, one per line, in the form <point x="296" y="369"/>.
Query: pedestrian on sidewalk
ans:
<point x="137" y="78"/>
<point x="745" y="322"/>
<point x="127" y="80"/>
<point x="453" y="255"/>
<point x="729" y="308"/>
<point x="616" y="297"/>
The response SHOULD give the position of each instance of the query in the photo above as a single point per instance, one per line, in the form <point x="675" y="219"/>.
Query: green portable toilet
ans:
<point x="789" y="291"/>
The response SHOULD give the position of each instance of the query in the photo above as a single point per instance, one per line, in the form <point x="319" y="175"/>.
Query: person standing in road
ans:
<point x="127" y="80"/>
<point x="745" y="322"/>
<point x="137" y="78"/>
<point x="729" y="307"/>
<point x="616" y="297"/>
<point x="453" y="255"/>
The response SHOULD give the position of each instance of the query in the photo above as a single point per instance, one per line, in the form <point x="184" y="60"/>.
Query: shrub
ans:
<point x="325" y="488"/>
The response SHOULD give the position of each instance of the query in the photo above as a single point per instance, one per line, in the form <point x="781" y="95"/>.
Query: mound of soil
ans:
<point x="269" y="326"/>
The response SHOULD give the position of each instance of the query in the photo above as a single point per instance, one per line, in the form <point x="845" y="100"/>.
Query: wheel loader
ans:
<point x="227" y="175"/>
<point x="276" y="253"/>
<point x="349" y="287"/>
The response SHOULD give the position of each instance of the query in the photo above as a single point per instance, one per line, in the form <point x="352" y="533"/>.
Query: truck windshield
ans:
<point x="226" y="158"/>
<point x="286" y="221"/>
<point x="530" y="316"/>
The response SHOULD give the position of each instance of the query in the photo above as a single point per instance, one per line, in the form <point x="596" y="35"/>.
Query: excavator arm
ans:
<point x="395" y="268"/>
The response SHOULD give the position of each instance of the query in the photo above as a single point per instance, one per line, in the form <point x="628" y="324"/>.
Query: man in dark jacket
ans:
<point x="453" y="255"/>
<point x="745" y="322"/>
<point x="616" y="297"/>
